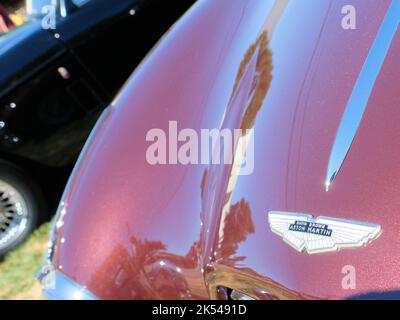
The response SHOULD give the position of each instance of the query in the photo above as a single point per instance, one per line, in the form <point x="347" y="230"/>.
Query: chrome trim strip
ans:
<point x="238" y="296"/>
<point x="57" y="286"/>
<point x="362" y="91"/>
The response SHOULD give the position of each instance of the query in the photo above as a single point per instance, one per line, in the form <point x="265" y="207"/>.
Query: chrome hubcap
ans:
<point x="13" y="214"/>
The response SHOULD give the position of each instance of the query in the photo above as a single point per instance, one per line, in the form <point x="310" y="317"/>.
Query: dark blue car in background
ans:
<point x="58" y="71"/>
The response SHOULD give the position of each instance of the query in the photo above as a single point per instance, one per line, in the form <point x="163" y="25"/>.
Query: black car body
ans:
<point x="55" y="79"/>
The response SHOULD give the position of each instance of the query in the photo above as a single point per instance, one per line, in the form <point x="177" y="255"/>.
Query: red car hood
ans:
<point x="130" y="230"/>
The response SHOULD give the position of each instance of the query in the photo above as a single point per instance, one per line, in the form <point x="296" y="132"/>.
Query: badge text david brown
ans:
<point x="310" y="227"/>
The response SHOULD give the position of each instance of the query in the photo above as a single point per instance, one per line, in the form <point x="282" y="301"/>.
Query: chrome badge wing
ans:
<point x="303" y="232"/>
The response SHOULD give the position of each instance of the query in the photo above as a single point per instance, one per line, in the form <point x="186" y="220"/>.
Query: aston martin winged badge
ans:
<point x="303" y="232"/>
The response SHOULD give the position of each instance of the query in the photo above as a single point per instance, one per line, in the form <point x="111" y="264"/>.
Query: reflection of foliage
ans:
<point x="238" y="225"/>
<point x="238" y="222"/>
<point x="103" y="279"/>
<point x="123" y="274"/>
<point x="203" y="183"/>
<point x="145" y="250"/>
<point x="135" y="272"/>
<point x="263" y="81"/>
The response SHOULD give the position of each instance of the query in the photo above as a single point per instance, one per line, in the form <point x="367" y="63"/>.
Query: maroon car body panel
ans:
<point x="129" y="230"/>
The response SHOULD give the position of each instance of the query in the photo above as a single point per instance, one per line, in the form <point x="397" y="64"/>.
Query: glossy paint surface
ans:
<point x="129" y="230"/>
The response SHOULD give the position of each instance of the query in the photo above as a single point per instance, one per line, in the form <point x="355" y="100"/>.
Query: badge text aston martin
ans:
<point x="322" y="234"/>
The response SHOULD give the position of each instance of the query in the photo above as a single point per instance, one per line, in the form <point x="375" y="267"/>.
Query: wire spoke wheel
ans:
<point x="14" y="215"/>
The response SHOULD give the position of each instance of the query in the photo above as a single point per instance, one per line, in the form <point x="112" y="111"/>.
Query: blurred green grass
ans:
<point x="18" y="269"/>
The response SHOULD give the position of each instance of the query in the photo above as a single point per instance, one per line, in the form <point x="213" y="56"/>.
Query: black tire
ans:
<point x="15" y="179"/>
